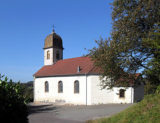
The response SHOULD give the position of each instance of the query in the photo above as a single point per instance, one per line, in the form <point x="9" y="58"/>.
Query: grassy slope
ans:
<point x="146" y="111"/>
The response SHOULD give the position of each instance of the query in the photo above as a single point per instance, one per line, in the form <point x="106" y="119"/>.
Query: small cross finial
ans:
<point x="53" y="30"/>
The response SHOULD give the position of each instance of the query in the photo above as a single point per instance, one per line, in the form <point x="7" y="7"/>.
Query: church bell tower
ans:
<point x="53" y="49"/>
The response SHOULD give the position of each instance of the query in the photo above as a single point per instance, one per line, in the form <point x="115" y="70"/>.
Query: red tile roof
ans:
<point x="68" y="67"/>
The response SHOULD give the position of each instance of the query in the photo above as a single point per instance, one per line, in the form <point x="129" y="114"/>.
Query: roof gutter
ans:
<point x="65" y="75"/>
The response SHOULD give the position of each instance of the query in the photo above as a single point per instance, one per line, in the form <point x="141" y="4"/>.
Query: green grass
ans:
<point x="146" y="111"/>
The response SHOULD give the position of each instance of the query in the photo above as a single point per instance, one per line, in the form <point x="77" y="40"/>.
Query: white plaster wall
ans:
<point x="129" y="95"/>
<point x="67" y="96"/>
<point x="99" y="96"/>
<point x="104" y="96"/>
<point x="48" y="61"/>
<point x="138" y="93"/>
<point x="94" y="95"/>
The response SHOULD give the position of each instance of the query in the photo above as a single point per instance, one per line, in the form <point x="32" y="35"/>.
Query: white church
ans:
<point x="75" y="80"/>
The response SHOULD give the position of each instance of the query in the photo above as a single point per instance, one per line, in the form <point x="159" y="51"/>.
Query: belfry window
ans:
<point x="57" y="55"/>
<point x="48" y="54"/>
<point x="121" y="93"/>
<point x="76" y="86"/>
<point x="60" y="87"/>
<point x="46" y="86"/>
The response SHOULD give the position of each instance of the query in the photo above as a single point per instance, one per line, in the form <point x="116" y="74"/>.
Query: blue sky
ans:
<point x="24" y="24"/>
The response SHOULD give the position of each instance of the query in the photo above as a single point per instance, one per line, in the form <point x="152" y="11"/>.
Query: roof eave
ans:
<point x="83" y="74"/>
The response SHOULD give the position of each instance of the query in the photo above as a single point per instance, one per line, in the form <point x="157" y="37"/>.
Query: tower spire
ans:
<point x="53" y="30"/>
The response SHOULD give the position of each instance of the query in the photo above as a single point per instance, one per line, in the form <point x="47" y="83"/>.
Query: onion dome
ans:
<point x="53" y="41"/>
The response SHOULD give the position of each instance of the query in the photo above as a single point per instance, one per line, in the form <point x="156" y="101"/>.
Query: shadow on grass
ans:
<point x="41" y="108"/>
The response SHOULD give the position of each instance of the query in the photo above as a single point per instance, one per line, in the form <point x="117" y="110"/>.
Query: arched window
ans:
<point x="57" y="55"/>
<point x="48" y="54"/>
<point x="121" y="93"/>
<point x="60" y="87"/>
<point x="76" y="86"/>
<point x="46" y="86"/>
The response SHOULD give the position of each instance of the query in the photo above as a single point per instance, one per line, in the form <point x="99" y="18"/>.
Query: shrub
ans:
<point x="12" y="103"/>
<point x="149" y="88"/>
<point x="158" y="90"/>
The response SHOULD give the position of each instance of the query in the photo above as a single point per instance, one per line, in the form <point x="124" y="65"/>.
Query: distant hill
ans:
<point x="146" y="111"/>
<point x="28" y="90"/>
<point x="29" y="83"/>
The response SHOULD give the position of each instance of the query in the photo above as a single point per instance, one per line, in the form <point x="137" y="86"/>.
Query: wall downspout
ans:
<point x="86" y="90"/>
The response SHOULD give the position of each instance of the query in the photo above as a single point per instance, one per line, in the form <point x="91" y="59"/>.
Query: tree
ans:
<point x="126" y="52"/>
<point x="12" y="103"/>
<point x="152" y="75"/>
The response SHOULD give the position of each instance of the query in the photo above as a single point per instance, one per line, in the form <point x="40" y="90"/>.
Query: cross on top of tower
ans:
<point x="53" y="30"/>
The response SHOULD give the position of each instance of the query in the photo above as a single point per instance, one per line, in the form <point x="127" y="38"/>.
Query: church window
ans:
<point x="46" y="88"/>
<point x="57" y="55"/>
<point x="60" y="87"/>
<point x="76" y="86"/>
<point x="48" y="54"/>
<point x="121" y="93"/>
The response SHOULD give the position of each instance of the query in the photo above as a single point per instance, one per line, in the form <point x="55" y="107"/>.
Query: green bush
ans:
<point x="149" y="88"/>
<point x="158" y="90"/>
<point x="13" y="108"/>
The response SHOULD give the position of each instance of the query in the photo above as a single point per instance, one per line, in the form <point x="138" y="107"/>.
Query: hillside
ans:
<point x="146" y="111"/>
<point x="28" y="90"/>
